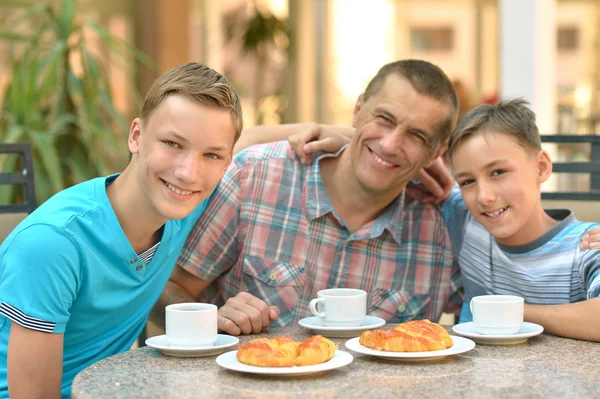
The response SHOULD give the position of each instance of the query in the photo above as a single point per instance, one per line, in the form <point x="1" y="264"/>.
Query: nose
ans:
<point x="485" y="193"/>
<point x="187" y="168"/>
<point x="392" y="142"/>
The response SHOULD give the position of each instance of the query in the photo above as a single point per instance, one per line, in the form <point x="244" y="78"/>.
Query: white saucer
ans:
<point x="223" y="342"/>
<point x="461" y="345"/>
<point x="229" y="361"/>
<point x="318" y="325"/>
<point x="526" y="331"/>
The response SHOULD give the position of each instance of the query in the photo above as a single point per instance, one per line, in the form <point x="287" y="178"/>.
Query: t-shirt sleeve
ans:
<point x="455" y="215"/>
<point x="212" y="246"/>
<point x="40" y="275"/>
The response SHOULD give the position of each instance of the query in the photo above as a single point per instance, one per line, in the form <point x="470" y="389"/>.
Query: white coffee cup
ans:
<point x="340" y="306"/>
<point x="191" y="324"/>
<point x="497" y="314"/>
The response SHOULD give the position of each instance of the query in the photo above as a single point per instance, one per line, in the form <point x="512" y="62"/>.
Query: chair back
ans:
<point x="585" y="203"/>
<point x="12" y="214"/>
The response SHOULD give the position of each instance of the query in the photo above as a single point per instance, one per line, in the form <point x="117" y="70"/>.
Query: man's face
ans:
<point x="181" y="151"/>
<point x="500" y="184"/>
<point x="396" y="136"/>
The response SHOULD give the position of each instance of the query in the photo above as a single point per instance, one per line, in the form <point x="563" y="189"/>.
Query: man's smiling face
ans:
<point x="396" y="135"/>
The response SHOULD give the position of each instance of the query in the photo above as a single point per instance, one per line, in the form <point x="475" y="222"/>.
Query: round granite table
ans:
<point x="544" y="367"/>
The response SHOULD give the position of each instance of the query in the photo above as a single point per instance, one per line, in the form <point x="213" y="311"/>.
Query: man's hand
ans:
<point x="437" y="181"/>
<point x="317" y="138"/>
<point x="246" y="314"/>
<point x="590" y="240"/>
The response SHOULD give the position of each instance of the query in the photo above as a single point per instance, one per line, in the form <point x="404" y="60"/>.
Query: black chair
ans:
<point x="584" y="203"/>
<point x="12" y="214"/>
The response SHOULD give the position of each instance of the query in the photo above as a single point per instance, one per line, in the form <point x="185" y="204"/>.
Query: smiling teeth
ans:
<point x="178" y="191"/>
<point x="381" y="161"/>
<point x="494" y="214"/>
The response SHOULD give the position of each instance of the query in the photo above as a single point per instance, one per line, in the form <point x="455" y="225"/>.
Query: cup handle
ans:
<point x="313" y="307"/>
<point x="471" y="307"/>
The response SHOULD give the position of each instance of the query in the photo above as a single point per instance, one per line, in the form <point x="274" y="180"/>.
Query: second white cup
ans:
<point x="497" y="314"/>
<point x="340" y="306"/>
<point x="191" y="324"/>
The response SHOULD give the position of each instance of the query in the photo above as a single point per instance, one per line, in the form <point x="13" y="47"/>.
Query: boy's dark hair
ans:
<point x="428" y="80"/>
<point x="512" y="117"/>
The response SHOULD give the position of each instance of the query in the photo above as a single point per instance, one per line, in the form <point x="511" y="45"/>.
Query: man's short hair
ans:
<point x="428" y="80"/>
<point x="512" y="117"/>
<point x="198" y="83"/>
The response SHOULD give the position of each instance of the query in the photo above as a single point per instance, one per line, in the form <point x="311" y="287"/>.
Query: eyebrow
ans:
<point x="211" y="148"/>
<point x="486" y="166"/>
<point x="393" y="117"/>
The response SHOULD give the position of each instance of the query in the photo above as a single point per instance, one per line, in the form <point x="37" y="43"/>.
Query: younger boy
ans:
<point x="505" y="241"/>
<point x="79" y="276"/>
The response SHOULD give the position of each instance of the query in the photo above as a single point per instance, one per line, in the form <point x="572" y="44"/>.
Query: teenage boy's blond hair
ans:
<point x="198" y="83"/>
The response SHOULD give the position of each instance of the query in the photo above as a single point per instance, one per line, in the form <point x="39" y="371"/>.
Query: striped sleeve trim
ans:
<point x="22" y="319"/>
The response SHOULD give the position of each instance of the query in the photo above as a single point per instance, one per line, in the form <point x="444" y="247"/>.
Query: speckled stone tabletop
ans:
<point x="543" y="367"/>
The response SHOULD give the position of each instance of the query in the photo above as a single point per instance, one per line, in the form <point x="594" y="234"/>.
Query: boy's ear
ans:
<point x="135" y="131"/>
<point x="544" y="166"/>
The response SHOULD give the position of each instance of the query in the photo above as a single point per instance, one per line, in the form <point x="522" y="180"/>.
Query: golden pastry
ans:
<point x="285" y="352"/>
<point x="412" y="336"/>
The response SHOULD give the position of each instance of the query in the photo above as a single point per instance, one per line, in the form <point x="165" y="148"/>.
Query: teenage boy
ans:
<point x="505" y="241"/>
<point x="79" y="276"/>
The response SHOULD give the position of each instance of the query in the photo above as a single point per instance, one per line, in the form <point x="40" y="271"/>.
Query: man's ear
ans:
<point x="135" y="131"/>
<point x="544" y="166"/>
<point x="438" y="154"/>
<point x="357" y="107"/>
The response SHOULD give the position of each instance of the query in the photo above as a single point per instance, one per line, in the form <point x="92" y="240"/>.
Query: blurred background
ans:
<point x="72" y="72"/>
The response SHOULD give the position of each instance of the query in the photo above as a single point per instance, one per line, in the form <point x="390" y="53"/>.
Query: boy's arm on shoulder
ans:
<point x="579" y="320"/>
<point x="35" y="363"/>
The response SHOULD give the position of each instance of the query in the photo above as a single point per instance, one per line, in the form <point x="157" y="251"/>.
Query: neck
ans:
<point x="538" y="224"/>
<point x="139" y="222"/>
<point x="355" y="205"/>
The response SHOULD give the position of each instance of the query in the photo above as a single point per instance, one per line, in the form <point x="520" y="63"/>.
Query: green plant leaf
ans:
<point x="44" y="147"/>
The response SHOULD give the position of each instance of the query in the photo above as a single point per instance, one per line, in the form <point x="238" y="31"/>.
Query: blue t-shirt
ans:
<point x="551" y="270"/>
<point x="69" y="269"/>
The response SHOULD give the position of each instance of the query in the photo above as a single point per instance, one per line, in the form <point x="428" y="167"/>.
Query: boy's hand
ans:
<point x="437" y="181"/>
<point x="315" y="138"/>
<point x="591" y="239"/>
<point x="246" y="314"/>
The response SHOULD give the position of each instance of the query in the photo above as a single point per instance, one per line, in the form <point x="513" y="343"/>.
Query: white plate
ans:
<point x="317" y="325"/>
<point x="223" y="342"/>
<point x="461" y="345"/>
<point x="526" y="331"/>
<point x="229" y="361"/>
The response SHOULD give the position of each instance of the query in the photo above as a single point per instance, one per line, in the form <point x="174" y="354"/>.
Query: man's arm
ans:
<point x="35" y="363"/>
<point x="580" y="320"/>
<point x="329" y="137"/>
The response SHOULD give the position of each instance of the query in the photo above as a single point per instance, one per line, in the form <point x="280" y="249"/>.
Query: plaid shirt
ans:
<point x="271" y="230"/>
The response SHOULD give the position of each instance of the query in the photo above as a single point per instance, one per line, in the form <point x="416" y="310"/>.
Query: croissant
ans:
<point x="412" y="336"/>
<point x="315" y="350"/>
<point x="285" y="352"/>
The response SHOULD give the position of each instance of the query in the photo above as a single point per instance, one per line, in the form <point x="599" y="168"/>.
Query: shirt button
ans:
<point x="273" y="276"/>
<point x="139" y="268"/>
<point x="401" y="307"/>
<point x="132" y="261"/>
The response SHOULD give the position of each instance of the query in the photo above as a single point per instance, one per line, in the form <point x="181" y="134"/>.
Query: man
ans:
<point x="79" y="276"/>
<point x="285" y="230"/>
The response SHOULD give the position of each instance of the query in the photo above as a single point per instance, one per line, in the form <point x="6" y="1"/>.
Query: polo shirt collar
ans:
<point x="317" y="204"/>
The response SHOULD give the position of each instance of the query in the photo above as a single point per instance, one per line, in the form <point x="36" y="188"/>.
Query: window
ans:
<point x="432" y="39"/>
<point x="567" y="38"/>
